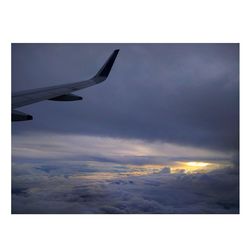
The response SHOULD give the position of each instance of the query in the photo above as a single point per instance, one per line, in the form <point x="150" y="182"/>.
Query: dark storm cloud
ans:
<point x="180" y="93"/>
<point x="214" y="192"/>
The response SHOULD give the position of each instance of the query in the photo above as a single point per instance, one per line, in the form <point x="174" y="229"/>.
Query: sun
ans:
<point x="193" y="167"/>
<point x="197" y="164"/>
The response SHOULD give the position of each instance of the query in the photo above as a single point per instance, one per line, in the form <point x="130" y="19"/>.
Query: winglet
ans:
<point x="103" y="73"/>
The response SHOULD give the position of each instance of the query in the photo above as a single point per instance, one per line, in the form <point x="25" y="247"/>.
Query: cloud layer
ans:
<point x="43" y="189"/>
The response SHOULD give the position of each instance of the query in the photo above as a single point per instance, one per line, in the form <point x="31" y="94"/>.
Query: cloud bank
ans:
<point x="43" y="189"/>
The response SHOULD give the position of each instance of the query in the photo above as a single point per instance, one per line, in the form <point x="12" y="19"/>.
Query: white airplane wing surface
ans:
<point x="57" y="93"/>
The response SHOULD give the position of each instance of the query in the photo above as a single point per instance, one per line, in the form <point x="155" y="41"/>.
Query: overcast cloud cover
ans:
<point x="161" y="104"/>
<point x="181" y="93"/>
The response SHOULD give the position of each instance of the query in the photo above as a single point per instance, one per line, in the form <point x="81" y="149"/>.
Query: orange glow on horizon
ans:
<point x="198" y="164"/>
<point x="194" y="167"/>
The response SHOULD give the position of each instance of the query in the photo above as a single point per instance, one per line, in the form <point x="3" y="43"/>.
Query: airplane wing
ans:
<point x="57" y="93"/>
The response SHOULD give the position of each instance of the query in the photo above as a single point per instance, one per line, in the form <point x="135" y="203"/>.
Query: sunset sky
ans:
<point x="160" y="135"/>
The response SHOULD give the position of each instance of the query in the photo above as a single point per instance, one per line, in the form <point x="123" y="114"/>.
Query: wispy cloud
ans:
<point x="70" y="146"/>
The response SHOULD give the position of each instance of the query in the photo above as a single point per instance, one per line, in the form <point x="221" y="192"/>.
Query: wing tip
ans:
<point x="103" y="73"/>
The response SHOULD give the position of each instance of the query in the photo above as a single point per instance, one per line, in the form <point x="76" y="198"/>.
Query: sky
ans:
<point x="160" y="135"/>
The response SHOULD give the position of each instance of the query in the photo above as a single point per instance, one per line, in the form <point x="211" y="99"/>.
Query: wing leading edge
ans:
<point x="58" y="93"/>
